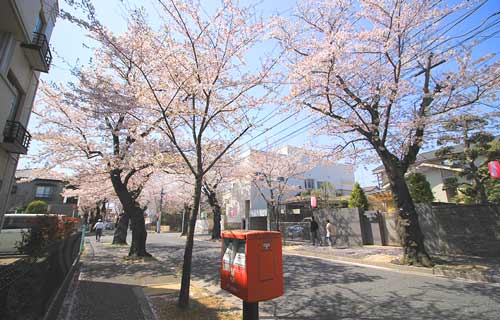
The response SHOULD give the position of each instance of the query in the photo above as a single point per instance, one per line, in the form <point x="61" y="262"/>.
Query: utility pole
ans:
<point x="158" y="222"/>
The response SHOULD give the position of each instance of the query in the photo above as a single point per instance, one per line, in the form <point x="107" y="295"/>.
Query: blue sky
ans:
<point x="71" y="47"/>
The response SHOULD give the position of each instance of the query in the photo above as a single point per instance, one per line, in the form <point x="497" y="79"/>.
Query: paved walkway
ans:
<point x="110" y="286"/>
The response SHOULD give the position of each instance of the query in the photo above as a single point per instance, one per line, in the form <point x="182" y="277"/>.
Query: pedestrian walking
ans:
<point x="98" y="229"/>
<point x="314" y="232"/>
<point x="330" y="233"/>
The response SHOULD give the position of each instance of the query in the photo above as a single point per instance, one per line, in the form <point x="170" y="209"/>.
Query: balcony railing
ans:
<point x="16" y="139"/>
<point x="38" y="52"/>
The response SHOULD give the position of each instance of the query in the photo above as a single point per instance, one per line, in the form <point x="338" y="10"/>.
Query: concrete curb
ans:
<point x="465" y="275"/>
<point x="439" y="270"/>
<point x="144" y="304"/>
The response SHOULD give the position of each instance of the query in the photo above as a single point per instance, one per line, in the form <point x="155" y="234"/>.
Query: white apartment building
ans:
<point x="243" y="200"/>
<point x="25" y="29"/>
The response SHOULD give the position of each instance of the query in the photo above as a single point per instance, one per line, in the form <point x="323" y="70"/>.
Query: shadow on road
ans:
<point x="318" y="289"/>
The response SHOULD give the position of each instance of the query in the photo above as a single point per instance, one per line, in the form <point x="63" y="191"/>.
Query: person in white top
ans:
<point x="330" y="233"/>
<point x="98" y="229"/>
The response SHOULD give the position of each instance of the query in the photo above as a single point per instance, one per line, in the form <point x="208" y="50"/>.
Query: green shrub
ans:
<point x="358" y="198"/>
<point x="37" y="206"/>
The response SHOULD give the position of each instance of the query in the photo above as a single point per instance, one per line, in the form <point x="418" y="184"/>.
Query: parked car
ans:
<point x="13" y="227"/>
<point x="295" y="231"/>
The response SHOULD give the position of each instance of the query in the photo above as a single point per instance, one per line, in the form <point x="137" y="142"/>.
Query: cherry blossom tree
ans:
<point x="91" y="189"/>
<point x="274" y="173"/>
<point x="194" y="71"/>
<point x="97" y="126"/>
<point x="382" y="73"/>
<point x="213" y="182"/>
<point x="194" y="75"/>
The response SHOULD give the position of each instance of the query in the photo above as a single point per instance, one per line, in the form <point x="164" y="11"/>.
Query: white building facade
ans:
<point x="243" y="200"/>
<point x="25" y="30"/>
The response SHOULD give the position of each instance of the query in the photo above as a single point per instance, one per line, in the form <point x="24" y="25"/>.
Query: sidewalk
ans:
<point x="460" y="267"/>
<point x="110" y="286"/>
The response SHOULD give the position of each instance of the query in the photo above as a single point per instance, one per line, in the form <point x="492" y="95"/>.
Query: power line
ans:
<point x="452" y="25"/>
<point x="266" y="130"/>
<point x="294" y="133"/>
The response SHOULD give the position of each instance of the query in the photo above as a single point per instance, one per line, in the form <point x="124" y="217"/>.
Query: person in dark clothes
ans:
<point x="314" y="232"/>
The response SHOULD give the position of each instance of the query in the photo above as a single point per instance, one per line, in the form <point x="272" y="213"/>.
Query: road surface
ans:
<point x="322" y="289"/>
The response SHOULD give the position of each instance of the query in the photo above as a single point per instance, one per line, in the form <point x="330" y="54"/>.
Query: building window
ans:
<point x="44" y="191"/>
<point x="71" y="200"/>
<point x="39" y="24"/>
<point x="339" y="193"/>
<point x="15" y="101"/>
<point x="309" y="184"/>
<point x="319" y="184"/>
<point x="447" y="174"/>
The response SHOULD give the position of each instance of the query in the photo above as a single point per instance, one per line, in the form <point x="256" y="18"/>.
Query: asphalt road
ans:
<point x="321" y="289"/>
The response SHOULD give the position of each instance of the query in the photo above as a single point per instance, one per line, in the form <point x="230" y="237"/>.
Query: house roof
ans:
<point x="371" y="189"/>
<point x="34" y="174"/>
<point x="425" y="156"/>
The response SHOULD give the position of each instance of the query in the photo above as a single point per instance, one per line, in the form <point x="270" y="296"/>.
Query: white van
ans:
<point x="12" y="230"/>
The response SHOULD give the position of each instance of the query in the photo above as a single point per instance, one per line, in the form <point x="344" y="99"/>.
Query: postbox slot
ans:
<point x="266" y="265"/>
<point x="234" y="253"/>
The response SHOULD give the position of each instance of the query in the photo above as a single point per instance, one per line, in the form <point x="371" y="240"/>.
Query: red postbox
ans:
<point x="252" y="264"/>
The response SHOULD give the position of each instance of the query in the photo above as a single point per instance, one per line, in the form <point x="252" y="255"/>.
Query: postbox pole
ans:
<point x="250" y="310"/>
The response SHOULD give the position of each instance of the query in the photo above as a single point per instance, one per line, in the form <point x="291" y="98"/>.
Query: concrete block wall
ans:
<point x="345" y="220"/>
<point x="461" y="229"/>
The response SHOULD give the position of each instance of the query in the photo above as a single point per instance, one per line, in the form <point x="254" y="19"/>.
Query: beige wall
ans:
<point x="436" y="182"/>
<point x="19" y="18"/>
<point x="435" y="178"/>
<point x="27" y="11"/>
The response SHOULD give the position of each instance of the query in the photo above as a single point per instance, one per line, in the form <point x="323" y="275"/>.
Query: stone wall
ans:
<point x="389" y="225"/>
<point x="461" y="229"/>
<point x="345" y="220"/>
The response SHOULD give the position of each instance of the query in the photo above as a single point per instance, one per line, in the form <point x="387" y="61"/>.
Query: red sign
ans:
<point x="494" y="168"/>
<point x="314" y="202"/>
<point x="232" y="213"/>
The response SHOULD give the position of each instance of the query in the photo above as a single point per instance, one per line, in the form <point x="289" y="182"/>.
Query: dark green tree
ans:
<point x="358" y="198"/>
<point x="420" y="188"/>
<point x="474" y="149"/>
<point x="493" y="190"/>
<point x="37" y="206"/>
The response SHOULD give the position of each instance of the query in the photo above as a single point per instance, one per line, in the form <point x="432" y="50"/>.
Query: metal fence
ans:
<point x="30" y="285"/>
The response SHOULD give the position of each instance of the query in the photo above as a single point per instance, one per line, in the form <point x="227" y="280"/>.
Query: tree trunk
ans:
<point x="185" y="219"/>
<point x="409" y="230"/>
<point x="134" y="212"/>
<point x="139" y="235"/>
<point x="120" y="235"/>
<point x="277" y="217"/>
<point x="188" y="251"/>
<point x="270" y="210"/>
<point x="216" y="210"/>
